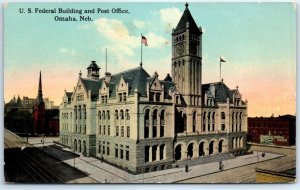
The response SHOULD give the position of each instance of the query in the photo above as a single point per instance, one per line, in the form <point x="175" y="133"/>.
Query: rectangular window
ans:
<point x="108" y="130"/>
<point x="151" y="97"/>
<point x="157" y="97"/>
<point x="99" y="129"/>
<point x="223" y="127"/>
<point x="154" y="149"/>
<point x="161" y="152"/>
<point x="127" y="154"/>
<point x="124" y="97"/>
<point x="99" y="148"/>
<point x="146" y="132"/>
<point x="147" y="148"/>
<point x="103" y="149"/>
<point x="154" y="131"/>
<point x="103" y="129"/>
<point x="121" y="154"/>
<point x="162" y="131"/>
<point x="107" y="150"/>
<point x="120" y="97"/>
<point x="116" y="153"/>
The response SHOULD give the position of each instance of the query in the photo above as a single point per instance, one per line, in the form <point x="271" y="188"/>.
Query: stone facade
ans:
<point x="142" y="124"/>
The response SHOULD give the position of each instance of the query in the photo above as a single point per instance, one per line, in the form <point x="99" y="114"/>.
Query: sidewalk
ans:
<point x="105" y="173"/>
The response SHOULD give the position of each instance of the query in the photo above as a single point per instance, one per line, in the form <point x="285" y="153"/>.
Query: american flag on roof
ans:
<point x="144" y="40"/>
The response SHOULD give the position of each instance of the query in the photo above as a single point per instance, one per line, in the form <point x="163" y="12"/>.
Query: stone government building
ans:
<point x="141" y="123"/>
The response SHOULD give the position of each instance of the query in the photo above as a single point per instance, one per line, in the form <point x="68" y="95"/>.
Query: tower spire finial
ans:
<point x="186" y="5"/>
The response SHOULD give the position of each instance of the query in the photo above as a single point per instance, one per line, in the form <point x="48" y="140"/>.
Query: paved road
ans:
<point x="246" y="174"/>
<point x="25" y="163"/>
<point x="209" y="172"/>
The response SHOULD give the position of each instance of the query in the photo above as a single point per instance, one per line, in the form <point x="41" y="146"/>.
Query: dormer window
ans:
<point x="124" y="96"/>
<point x="157" y="97"/>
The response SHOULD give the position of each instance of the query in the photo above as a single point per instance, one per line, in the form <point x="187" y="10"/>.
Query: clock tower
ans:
<point x="187" y="58"/>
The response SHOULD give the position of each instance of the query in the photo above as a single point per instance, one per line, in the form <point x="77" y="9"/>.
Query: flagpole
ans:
<point x="141" y="51"/>
<point x="220" y="70"/>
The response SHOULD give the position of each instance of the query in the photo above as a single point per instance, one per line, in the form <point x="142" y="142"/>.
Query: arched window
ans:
<point x="103" y="114"/>
<point x="117" y="131"/>
<point x="99" y="114"/>
<point x="204" y="121"/>
<point x="127" y="115"/>
<point x="116" y="115"/>
<point x="122" y="114"/>
<point x="84" y="111"/>
<point x="147" y="123"/>
<point x="194" y="122"/>
<point x="122" y="131"/>
<point x="75" y="111"/>
<point x="128" y="131"/>
<point x="79" y="110"/>
<point x="108" y="114"/>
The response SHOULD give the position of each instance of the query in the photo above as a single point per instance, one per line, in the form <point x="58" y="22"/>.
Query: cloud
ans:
<point x="121" y="40"/>
<point x="65" y="50"/>
<point x="170" y="17"/>
<point x="156" y="41"/>
<point x="116" y="31"/>
<point x="138" y="23"/>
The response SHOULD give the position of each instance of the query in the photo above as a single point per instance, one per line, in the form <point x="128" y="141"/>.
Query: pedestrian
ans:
<point x="221" y="166"/>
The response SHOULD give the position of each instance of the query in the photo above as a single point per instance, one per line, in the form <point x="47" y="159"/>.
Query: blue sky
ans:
<point x="257" y="40"/>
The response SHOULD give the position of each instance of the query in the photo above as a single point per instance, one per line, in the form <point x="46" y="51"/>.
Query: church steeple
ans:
<point x="39" y="98"/>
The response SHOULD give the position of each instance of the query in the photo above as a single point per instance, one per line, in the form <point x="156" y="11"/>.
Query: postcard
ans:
<point x="149" y="92"/>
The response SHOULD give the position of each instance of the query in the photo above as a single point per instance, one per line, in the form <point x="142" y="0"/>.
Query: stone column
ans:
<point x="195" y="152"/>
<point x="158" y="152"/>
<point x="150" y="153"/>
<point x="189" y="122"/>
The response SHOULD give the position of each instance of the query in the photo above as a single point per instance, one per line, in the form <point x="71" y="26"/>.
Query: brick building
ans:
<point x="279" y="130"/>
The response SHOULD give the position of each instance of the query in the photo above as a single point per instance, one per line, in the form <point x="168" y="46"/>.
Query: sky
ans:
<point x="257" y="40"/>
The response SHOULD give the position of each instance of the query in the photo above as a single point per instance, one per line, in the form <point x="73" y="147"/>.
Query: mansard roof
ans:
<point x="222" y="92"/>
<point x="136" y="78"/>
<point x="187" y="18"/>
<point x="93" y="85"/>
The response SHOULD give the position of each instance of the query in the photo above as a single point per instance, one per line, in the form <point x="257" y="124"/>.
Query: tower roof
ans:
<point x="185" y="19"/>
<point x="39" y="98"/>
<point x="93" y="65"/>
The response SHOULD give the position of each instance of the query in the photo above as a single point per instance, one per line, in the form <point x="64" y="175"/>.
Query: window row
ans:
<point x="80" y="129"/>
<point x="155" y="153"/>
<point x="79" y="112"/>
<point x="105" y="130"/>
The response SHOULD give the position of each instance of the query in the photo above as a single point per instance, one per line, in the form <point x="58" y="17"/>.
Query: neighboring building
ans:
<point x="272" y="130"/>
<point x="141" y="123"/>
<point x="46" y="121"/>
<point x="39" y="111"/>
<point x="48" y="103"/>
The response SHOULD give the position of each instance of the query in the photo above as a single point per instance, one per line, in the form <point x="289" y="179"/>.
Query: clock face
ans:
<point x="180" y="48"/>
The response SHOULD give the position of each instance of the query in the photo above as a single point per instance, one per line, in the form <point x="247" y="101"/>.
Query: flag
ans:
<point x="222" y="60"/>
<point x="144" y="40"/>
